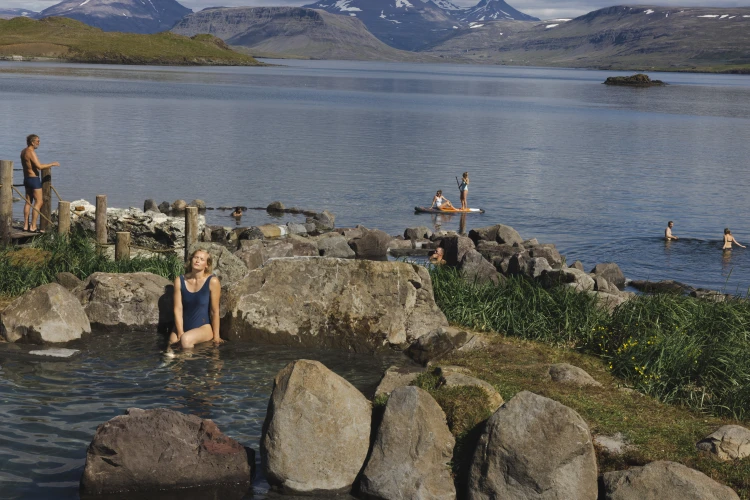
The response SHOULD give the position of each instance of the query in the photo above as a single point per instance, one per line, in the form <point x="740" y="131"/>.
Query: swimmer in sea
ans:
<point x="668" y="232"/>
<point x="729" y="239"/>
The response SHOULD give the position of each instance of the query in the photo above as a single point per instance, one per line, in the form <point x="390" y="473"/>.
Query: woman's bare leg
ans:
<point x="196" y="336"/>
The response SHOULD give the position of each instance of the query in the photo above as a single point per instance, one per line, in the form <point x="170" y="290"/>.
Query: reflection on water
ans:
<point x="50" y="410"/>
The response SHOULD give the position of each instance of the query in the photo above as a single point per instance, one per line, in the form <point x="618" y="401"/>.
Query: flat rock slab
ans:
<point x="729" y="442"/>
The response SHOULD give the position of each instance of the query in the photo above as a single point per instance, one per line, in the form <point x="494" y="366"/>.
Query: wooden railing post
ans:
<point x="46" y="211"/>
<point x="63" y="217"/>
<point x="191" y="229"/>
<point x="122" y="246"/>
<point x="6" y="200"/>
<point x="101" y="220"/>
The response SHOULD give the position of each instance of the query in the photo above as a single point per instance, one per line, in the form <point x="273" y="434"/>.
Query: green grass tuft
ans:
<point x="677" y="349"/>
<point x="25" y="268"/>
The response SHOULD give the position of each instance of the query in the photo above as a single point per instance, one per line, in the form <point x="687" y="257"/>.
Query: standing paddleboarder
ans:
<point x="463" y="190"/>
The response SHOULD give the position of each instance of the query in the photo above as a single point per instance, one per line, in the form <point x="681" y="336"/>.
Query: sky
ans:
<point x="543" y="9"/>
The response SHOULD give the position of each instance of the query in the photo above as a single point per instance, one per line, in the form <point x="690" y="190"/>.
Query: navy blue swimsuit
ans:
<point x="195" y="305"/>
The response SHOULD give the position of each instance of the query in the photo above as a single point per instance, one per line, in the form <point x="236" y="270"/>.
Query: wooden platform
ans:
<point x="18" y="234"/>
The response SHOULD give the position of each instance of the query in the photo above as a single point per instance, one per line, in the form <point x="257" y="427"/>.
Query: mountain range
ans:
<point x="620" y="37"/>
<point x="292" y="31"/>
<point x="410" y="25"/>
<point x="131" y="16"/>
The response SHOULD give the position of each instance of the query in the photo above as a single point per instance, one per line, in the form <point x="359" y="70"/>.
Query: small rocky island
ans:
<point x="637" y="80"/>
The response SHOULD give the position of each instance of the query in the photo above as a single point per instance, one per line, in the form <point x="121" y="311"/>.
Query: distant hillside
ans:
<point x="129" y="16"/>
<point x="623" y="37"/>
<point x="292" y="32"/>
<point x="70" y="40"/>
<point x="11" y="13"/>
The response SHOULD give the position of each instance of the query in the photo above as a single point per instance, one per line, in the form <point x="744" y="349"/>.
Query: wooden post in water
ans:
<point x="191" y="229"/>
<point x="63" y="217"/>
<point x="6" y="200"/>
<point x="122" y="246"/>
<point x="101" y="220"/>
<point x="46" y="199"/>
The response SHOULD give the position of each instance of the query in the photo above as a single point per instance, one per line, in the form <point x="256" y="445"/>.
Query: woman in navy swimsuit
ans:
<point x="196" y="303"/>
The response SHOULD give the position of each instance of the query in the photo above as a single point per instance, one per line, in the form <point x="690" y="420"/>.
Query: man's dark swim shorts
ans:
<point x="32" y="183"/>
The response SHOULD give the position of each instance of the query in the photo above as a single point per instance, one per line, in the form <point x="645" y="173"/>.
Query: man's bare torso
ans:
<point x="28" y="161"/>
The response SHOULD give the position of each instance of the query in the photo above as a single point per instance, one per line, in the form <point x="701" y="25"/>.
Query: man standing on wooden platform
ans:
<point x="32" y="181"/>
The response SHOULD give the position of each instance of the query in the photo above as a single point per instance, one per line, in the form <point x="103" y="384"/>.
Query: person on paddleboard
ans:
<point x="441" y="202"/>
<point x="463" y="190"/>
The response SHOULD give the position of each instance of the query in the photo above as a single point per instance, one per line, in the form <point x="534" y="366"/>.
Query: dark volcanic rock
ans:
<point x="637" y="80"/>
<point x="161" y="449"/>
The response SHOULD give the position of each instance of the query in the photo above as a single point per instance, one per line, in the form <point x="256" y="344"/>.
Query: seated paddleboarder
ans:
<point x="441" y="202"/>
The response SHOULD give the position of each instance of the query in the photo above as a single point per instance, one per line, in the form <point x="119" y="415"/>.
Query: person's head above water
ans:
<point x="200" y="258"/>
<point x="727" y="231"/>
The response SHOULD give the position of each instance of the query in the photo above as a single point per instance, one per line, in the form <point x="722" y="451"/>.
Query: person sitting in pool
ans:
<point x="196" y="303"/>
<point x="729" y="239"/>
<point x="441" y="201"/>
<point x="438" y="256"/>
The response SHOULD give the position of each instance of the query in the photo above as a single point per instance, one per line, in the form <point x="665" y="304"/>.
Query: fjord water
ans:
<point x="597" y="170"/>
<point x="554" y="153"/>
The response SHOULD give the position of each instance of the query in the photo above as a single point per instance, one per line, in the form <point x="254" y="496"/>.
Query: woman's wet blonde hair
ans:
<point x="209" y="261"/>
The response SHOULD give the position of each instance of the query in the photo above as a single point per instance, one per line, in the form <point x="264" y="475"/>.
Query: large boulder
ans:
<point x="729" y="442"/>
<point x="278" y="249"/>
<point x="411" y="452"/>
<point x="48" y="313"/>
<point x="534" y="448"/>
<point x="316" y="301"/>
<point x="334" y="245"/>
<point x="663" y="481"/>
<point x="610" y="272"/>
<point x="228" y="267"/>
<point x="417" y="233"/>
<point x="500" y="233"/>
<point x="456" y="248"/>
<point x="547" y="251"/>
<point x="475" y="268"/>
<point x="570" y="277"/>
<point x="125" y="302"/>
<point x="303" y="246"/>
<point x="317" y="431"/>
<point x="252" y="253"/>
<point x="322" y="221"/>
<point x="372" y="245"/>
<point x="147" y="451"/>
<point x="395" y="377"/>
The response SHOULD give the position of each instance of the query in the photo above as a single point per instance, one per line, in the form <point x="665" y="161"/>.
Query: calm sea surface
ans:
<point x="554" y="153"/>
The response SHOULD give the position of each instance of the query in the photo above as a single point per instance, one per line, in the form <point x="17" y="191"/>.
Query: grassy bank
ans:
<point x="24" y="268"/>
<point x="677" y="349"/>
<point x="653" y="430"/>
<point x="70" y="40"/>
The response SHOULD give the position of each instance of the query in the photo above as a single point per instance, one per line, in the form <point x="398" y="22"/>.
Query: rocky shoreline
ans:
<point x="313" y="284"/>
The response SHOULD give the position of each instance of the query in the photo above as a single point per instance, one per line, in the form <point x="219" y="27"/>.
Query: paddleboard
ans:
<point x="428" y="210"/>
